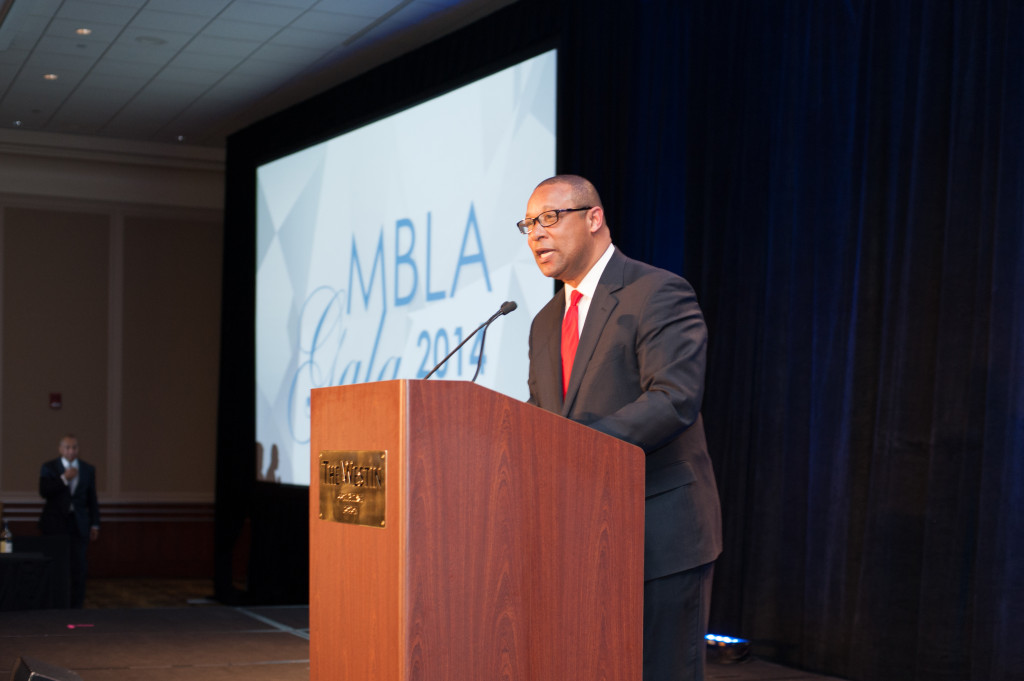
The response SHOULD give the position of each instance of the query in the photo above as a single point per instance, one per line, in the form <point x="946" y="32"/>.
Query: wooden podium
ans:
<point x="468" y="536"/>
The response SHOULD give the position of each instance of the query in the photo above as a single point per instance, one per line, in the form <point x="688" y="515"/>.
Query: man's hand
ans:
<point x="70" y="473"/>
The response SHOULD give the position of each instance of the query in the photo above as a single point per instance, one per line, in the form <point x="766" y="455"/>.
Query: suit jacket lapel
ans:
<point x="597" y="317"/>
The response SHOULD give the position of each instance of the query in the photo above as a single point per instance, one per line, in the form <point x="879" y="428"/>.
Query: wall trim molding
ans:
<point x="114" y="171"/>
<point x="108" y="208"/>
<point x="23" y="503"/>
<point x="110" y="150"/>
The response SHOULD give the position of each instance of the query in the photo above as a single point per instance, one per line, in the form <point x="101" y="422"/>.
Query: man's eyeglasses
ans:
<point x="546" y="219"/>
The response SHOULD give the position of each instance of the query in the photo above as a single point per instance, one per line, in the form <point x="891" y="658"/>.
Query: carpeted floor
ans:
<point x="211" y="643"/>
<point x="172" y="630"/>
<point x="148" y="593"/>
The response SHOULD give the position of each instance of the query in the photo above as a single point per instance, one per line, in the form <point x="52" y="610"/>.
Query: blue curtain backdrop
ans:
<point x="843" y="183"/>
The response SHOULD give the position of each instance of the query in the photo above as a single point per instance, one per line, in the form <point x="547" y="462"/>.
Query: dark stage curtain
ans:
<point x="851" y="176"/>
<point x="843" y="183"/>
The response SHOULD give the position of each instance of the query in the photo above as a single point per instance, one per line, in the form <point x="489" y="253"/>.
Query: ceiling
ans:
<point x="193" y="71"/>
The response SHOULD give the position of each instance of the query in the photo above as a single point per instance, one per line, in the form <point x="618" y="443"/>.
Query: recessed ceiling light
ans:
<point x="51" y="76"/>
<point x="83" y="31"/>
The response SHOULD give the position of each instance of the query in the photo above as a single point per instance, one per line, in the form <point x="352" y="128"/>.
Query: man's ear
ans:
<point x="596" y="217"/>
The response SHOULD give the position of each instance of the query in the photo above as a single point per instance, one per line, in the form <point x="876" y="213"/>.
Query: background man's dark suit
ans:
<point x="72" y="515"/>
<point x="638" y="375"/>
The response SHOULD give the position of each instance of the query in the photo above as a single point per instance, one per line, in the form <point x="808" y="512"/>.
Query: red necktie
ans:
<point x="570" y="338"/>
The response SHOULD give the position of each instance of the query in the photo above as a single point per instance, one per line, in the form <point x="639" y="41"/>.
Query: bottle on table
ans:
<point x="6" y="539"/>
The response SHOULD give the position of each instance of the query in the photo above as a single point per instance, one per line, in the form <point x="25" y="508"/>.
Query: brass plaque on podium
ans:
<point x="352" y="487"/>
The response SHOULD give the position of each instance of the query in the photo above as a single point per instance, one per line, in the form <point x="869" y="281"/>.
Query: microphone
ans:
<point x="505" y="308"/>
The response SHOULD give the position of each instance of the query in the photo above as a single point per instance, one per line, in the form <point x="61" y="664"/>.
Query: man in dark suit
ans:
<point x="69" y="486"/>
<point x="637" y="373"/>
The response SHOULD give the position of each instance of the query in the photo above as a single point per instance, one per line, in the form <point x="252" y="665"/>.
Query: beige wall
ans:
<point x="110" y="295"/>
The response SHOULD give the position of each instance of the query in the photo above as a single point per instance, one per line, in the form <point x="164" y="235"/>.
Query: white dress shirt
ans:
<point x="588" y="286"/>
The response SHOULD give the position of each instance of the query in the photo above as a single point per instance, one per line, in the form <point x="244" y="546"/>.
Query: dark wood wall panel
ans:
<point x="139" y="539"/>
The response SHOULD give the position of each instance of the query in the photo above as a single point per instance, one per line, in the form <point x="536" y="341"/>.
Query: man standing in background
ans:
<point x="622" y="349"/>
<point x="68" y="485"/>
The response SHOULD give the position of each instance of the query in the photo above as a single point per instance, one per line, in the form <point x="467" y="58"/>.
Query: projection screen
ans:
<point x="379" y="250"/>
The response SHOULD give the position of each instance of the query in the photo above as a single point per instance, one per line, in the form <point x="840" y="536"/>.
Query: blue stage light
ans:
<point x="718" y="640"/>
<point x="727" y="649"/>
